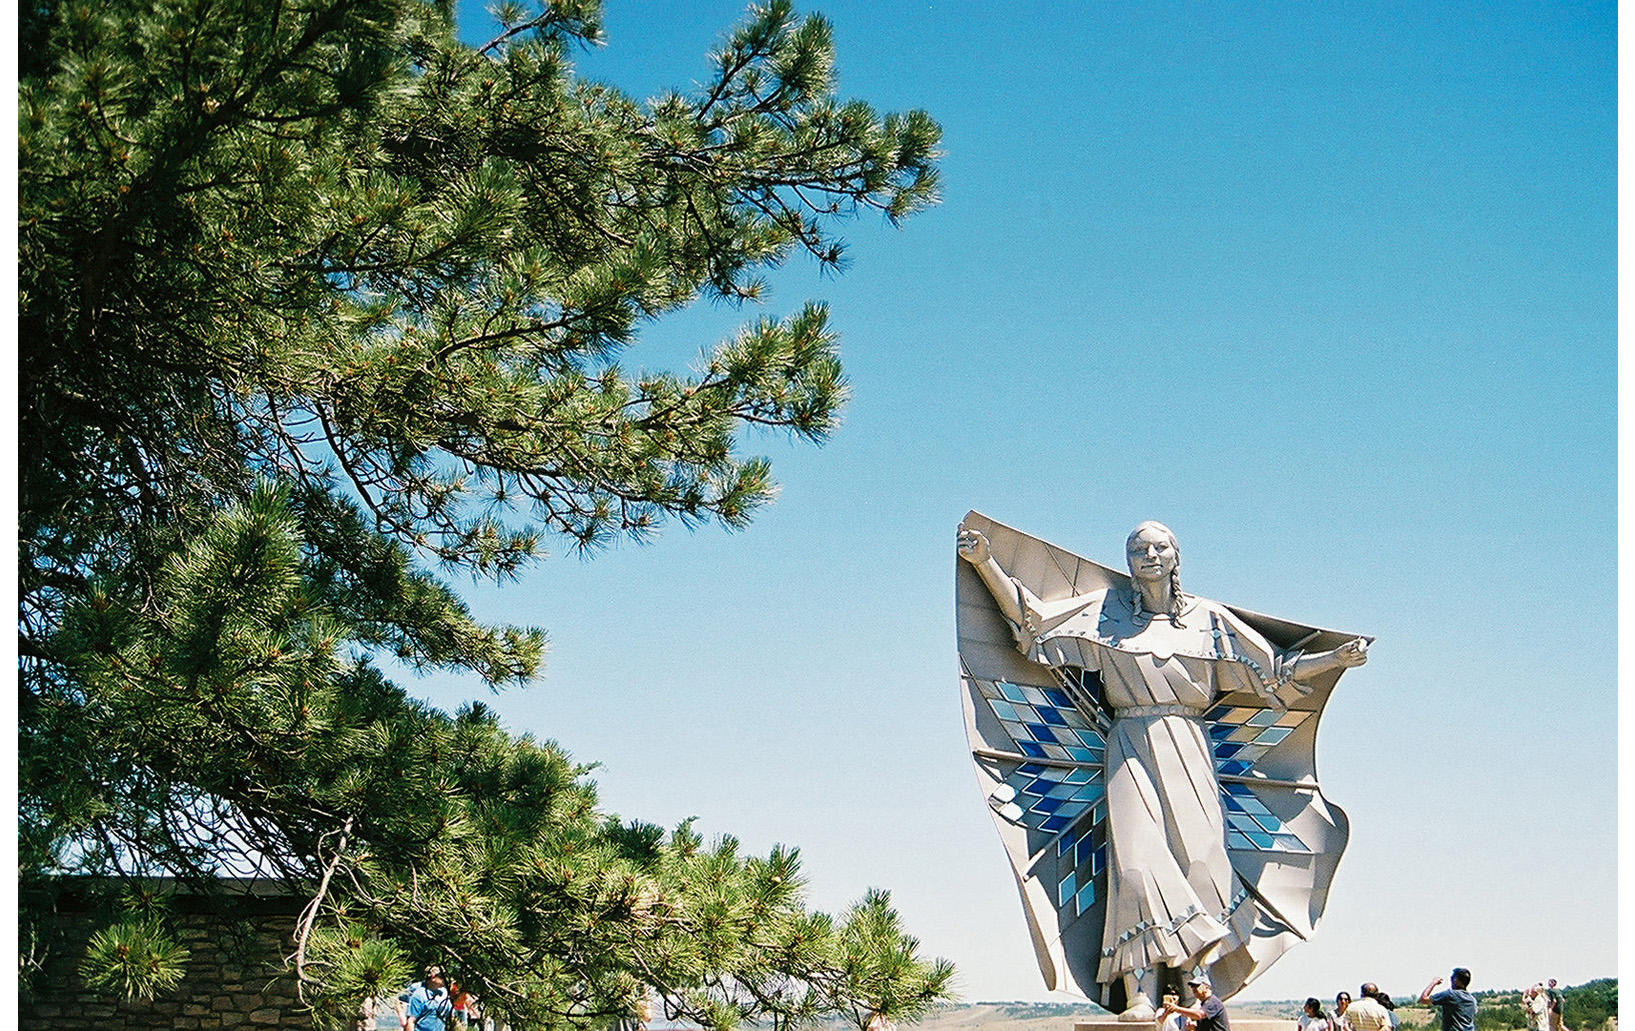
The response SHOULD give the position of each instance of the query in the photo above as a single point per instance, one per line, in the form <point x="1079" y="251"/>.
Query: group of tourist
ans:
<point x="1542" y="1001"/>
<point x="437" y="1002"/>
<point x="1372" y="1010"/>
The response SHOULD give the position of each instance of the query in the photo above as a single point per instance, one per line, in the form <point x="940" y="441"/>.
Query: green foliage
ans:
<point x="1590" y="1005"/>
<point x="458" y="840"/>
<point x="324" y="239"/>
<point x="315" y="300"/>
<point x="1499" y="1016"/>
<point x="136" y="956"/>
<point x="355" y="965"/>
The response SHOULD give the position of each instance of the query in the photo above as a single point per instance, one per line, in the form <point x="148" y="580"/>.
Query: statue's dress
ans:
<point x="1172" y="896"/>
<point x="1153" y="781"/>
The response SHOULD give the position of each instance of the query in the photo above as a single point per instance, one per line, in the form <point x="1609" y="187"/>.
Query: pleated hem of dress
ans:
<point x="1198" y="941"/>
<point x="1151" y="947"/>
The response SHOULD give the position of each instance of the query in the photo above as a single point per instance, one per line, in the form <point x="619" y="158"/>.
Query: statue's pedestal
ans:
<point x="1238" y="1024"/>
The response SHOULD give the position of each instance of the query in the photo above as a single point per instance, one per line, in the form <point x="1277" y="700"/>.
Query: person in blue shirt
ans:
<point x="1458" y="1006"/>
<point x="426" y="1006"/>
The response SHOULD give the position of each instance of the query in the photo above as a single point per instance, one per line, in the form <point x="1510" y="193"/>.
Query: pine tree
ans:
<point x="319" y="306"/>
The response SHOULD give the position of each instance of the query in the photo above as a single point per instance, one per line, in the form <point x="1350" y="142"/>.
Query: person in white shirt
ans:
<point x="1312" y="1016"/>
<point x="1537" y="1005"/>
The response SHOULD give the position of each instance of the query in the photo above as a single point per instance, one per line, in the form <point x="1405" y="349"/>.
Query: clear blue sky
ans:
<point x="1328" y="288"/>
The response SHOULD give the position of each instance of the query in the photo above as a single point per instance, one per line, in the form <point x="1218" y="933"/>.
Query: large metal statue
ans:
<point x="1148" y="756"/>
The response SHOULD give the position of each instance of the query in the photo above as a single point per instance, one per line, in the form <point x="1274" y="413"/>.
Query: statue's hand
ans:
<point x="1352" y="653"/>
<point x="973" y="546"/>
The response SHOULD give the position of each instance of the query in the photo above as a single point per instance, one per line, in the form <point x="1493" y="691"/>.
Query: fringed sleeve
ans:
<point x="1252" y="663"/>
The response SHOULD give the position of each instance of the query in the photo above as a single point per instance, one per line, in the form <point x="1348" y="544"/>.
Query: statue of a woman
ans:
<point x="1141" y="667"/>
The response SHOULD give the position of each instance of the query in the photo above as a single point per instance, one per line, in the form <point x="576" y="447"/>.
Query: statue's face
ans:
<point x="1152" y="555"/>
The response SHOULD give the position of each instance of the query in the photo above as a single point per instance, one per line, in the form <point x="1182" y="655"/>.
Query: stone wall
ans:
<point x="236" y="976"/>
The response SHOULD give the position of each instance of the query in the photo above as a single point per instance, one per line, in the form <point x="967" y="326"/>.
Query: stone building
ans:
<point x="236" y="975"/>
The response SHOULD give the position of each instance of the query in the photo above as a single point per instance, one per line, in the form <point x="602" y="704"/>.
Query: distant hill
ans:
<point x="1011" y="1016"/>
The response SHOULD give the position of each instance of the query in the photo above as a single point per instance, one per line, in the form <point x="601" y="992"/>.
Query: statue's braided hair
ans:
<point x="1174" y="574"/>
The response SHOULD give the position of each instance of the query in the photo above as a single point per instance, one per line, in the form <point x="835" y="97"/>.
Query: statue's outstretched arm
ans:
<point x="1015" y="601"/>
<point x="1353" y="653"/>
<point x="1027" y="612"/>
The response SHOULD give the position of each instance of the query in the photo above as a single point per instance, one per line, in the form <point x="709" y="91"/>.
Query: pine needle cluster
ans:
<point x="317" y="306"/>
